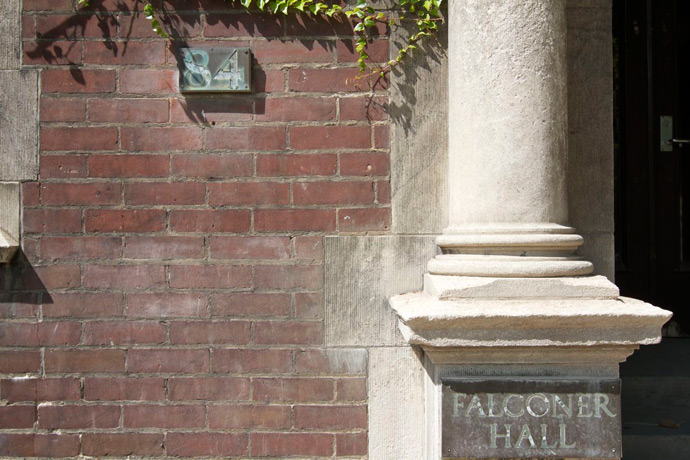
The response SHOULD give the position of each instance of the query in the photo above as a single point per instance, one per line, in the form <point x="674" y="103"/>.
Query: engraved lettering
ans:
<point x="563" y="443"/>
<point x="601" y="402"/>
<point x="544" y="442"/>
<point x="567" y="410"/>
<point x="525" y="434"/>
<point x="475" y="403"/>
<point x="583" y="406"/>
<point x="457" y="404"/>
<point x="495" y="435"/>
<point x="491" y="406"/>
<point x="545" y="407"/>
<point x="507" y="411"/>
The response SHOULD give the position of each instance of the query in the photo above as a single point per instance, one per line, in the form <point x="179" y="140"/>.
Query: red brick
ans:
<point x="320" y="361"/>
<point x="51" y="277"/>
<point x="63" y="166"/>
<point x="62" y="109"/>
<point x="244" y="417"/>
<point x="288" y="276"/>
<point x="364" y="164"/>
<point x="124" y="389"/>
<point x="124" y="276"/>
<point x="30" y="247"/>
<point x="331" y="417"/>
<point x="18" y="305"/>
<point x="212" y="166"/>
<point x="129" y="165"/>
<point x="293" y="389"/>
<point x="309" y="305"/>
<point x="164" y="247"/>
<point x="78" y="81"/>
<point x="47" y="5"/>
<point x="161" y="361"/>
<point x="363" y="108"/>
<point x="204" y="332"/>
<point x="128" y="110"/>
<point x="291" y="444"/>
<point x="273" y="361"/>
<point x="17" y="416"/>
<point x="80" y="247"/>
<point x="250" y="304"/>
<point x="330" y="137"/>
<point x="164" y="305"/>
<point x="158" y="193"/>
<point x="333" y="193"/>
<point x="248" y="193"/>
<point x="40" y="390"/>
<point x="39" y="445"/>
<point x="31" y="193"/>
<point x="140" y="27"/>
<point x="207" y="444"/>
<point x="52" y="220"/>
<point x="383" y="192"/>
<point x="211" y="109"/>
<point x="288" y="333"/>
<point x="83" y="305"/>
<point x="123" y="333"/>
<point x="309" y="247"/>
<point x="268" y="81"/>
<point x="251" y="138"/>
<point x="210" y="276"/>
<point x="122" y="444"/>
<point x="67" y="417"/>
<point x="161" y="139"/>
<point x="39" y="334"/>
<point x="208" y="389"/>
<point x="248" y="247"/>
<point x="242" y="25"/>
<point x="351" y="389"/>
<point x="327" y="80"/>
<point x="71" y="26"/>
<point x="70" y="361"/>
<point x="376" y="49"/>
<point x="306" y="24"/>
<point x="126" y="52"/>
<point x="381" y="140"/>
<point x="296" y="109"/>
<point x="366" y="219"/>
<point x="60" y="194"/>
<point x="296" y="165"/>
<point x="145" y="81"/>
<point x="20" y="362"/>
<point x="52" y="53"/>
<point x="351" y="444"/>
<point x="120" y="220"/>
<point x="277" y="220"/>
<point x="210" y="221"/>
<point x="78" y="138"/>
<point x="293" y="51"/>
<point x="164" y="416"/>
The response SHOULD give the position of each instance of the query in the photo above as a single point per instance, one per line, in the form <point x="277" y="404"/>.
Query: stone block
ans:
<point x="18" y="125"/>
<point x="9" y="219"/>
<point x="361" y="273"/>
<point x="396" y="404"/>
<point x="10" y="35"/>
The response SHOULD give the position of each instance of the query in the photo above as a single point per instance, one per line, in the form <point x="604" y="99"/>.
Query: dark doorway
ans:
<point x="652" y="88"/>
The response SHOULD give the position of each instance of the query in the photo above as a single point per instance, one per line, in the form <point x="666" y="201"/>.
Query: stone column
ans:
<point x="508" y="142"/>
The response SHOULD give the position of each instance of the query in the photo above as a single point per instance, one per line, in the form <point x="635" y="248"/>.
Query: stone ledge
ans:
<point x="9" y="220"/>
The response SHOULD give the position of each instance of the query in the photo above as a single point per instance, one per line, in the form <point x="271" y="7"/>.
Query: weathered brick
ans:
<point x="71" y="26"/>
<point x="71" y="361"/>
<point x="17" y="416"/>
<point x="148" y="81"/>
<point x="381" y="139"/>
<point x="62" y="109"/>
<point x="249" y="417"/>
<point x="292" y="389"/>
<point x="156" y="139"/>
<point x="251" y="138"/>
<point x="39" y="334"/>
<point x="51" y="277"/>
<point x="364" y="164"/>
<point x="376" y="49"/>
<point x="305" y="193"/>
<point x="351" y="444"/>
<point x="211" y="221"/>
<point x="128" y="110"/>
<point x="177" y="361"/>
<point x="288" y="332"/>
<point x="307" y="277"/>
<point x="124" y="276"/>
<point x="115" y="52"/>
<point x="334" y="361"/>
<point x="138" y="26"/>
<point x="248" y="193"/>
<point x="309" y="305"/>
<point x="164" y="247"/>
<point x="331" y="417"/>
<point x="80" y="247"/>
<point x="39" y="445"/>
<point x="273" y="361"/>
<point x="296" y="109"/>
<point x="69" y="417"/>
<point x="204" y="332"/>
<point x="354" y="389"/>
<point x="19" y="305"/>
<point x="326" y="80"/>
<point x="129" y="165"/>
<point x="207" y="444"/>
<point x="163" y="305"/>
<point x="20" y="362"/>
<point x="250" y="304"/>
<point x="212" y="166"/>
<point x="52" y="53"/>
<point x="61" y="194"/>
<point x="330" y="137"/>
<point x="78" y="81"/>
<point x="123" y="333"/>
<point x="122" y="444"/>
<point x="208" y="389"/>
<point x="268" y="81"/>
<point x="276" y="220"/>
<point x="242" y="25"/>
<point x="250" y="247"/>
<point x="210" y="276"/>
<point x="124" y="389"/>
<point x="159" y="193"/>
<point x="47" y="5"/>
<point x="164" y="416"/>
<point x="124" y="220"/>
<point x="89" y="139"/>
<point x="309" y="247"/>
<point x="52" y="220"/>
<point x="211" y="109"/>
<point x="84" y="305"/>
<point x="296" y="165"/>
<point x="365" y="219"/>
<point x="293" y="51"/>
<point x="31" y="192"/>
<point x="291" y="444"/>
<point x="59" y="389"/>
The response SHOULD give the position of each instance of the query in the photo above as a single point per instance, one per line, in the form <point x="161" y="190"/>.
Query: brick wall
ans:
<point x="169" y="297"/>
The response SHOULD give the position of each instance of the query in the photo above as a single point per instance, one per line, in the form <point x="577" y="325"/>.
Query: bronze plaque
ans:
<point x="529" y="418"/>
<point x="215" y="70"/>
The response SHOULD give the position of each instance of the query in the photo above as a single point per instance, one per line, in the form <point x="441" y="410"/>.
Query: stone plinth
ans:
<point x="9" y="220"/>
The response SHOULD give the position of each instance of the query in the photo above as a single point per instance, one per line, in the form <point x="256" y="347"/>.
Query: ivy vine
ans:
<point x="424" y="14"/>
